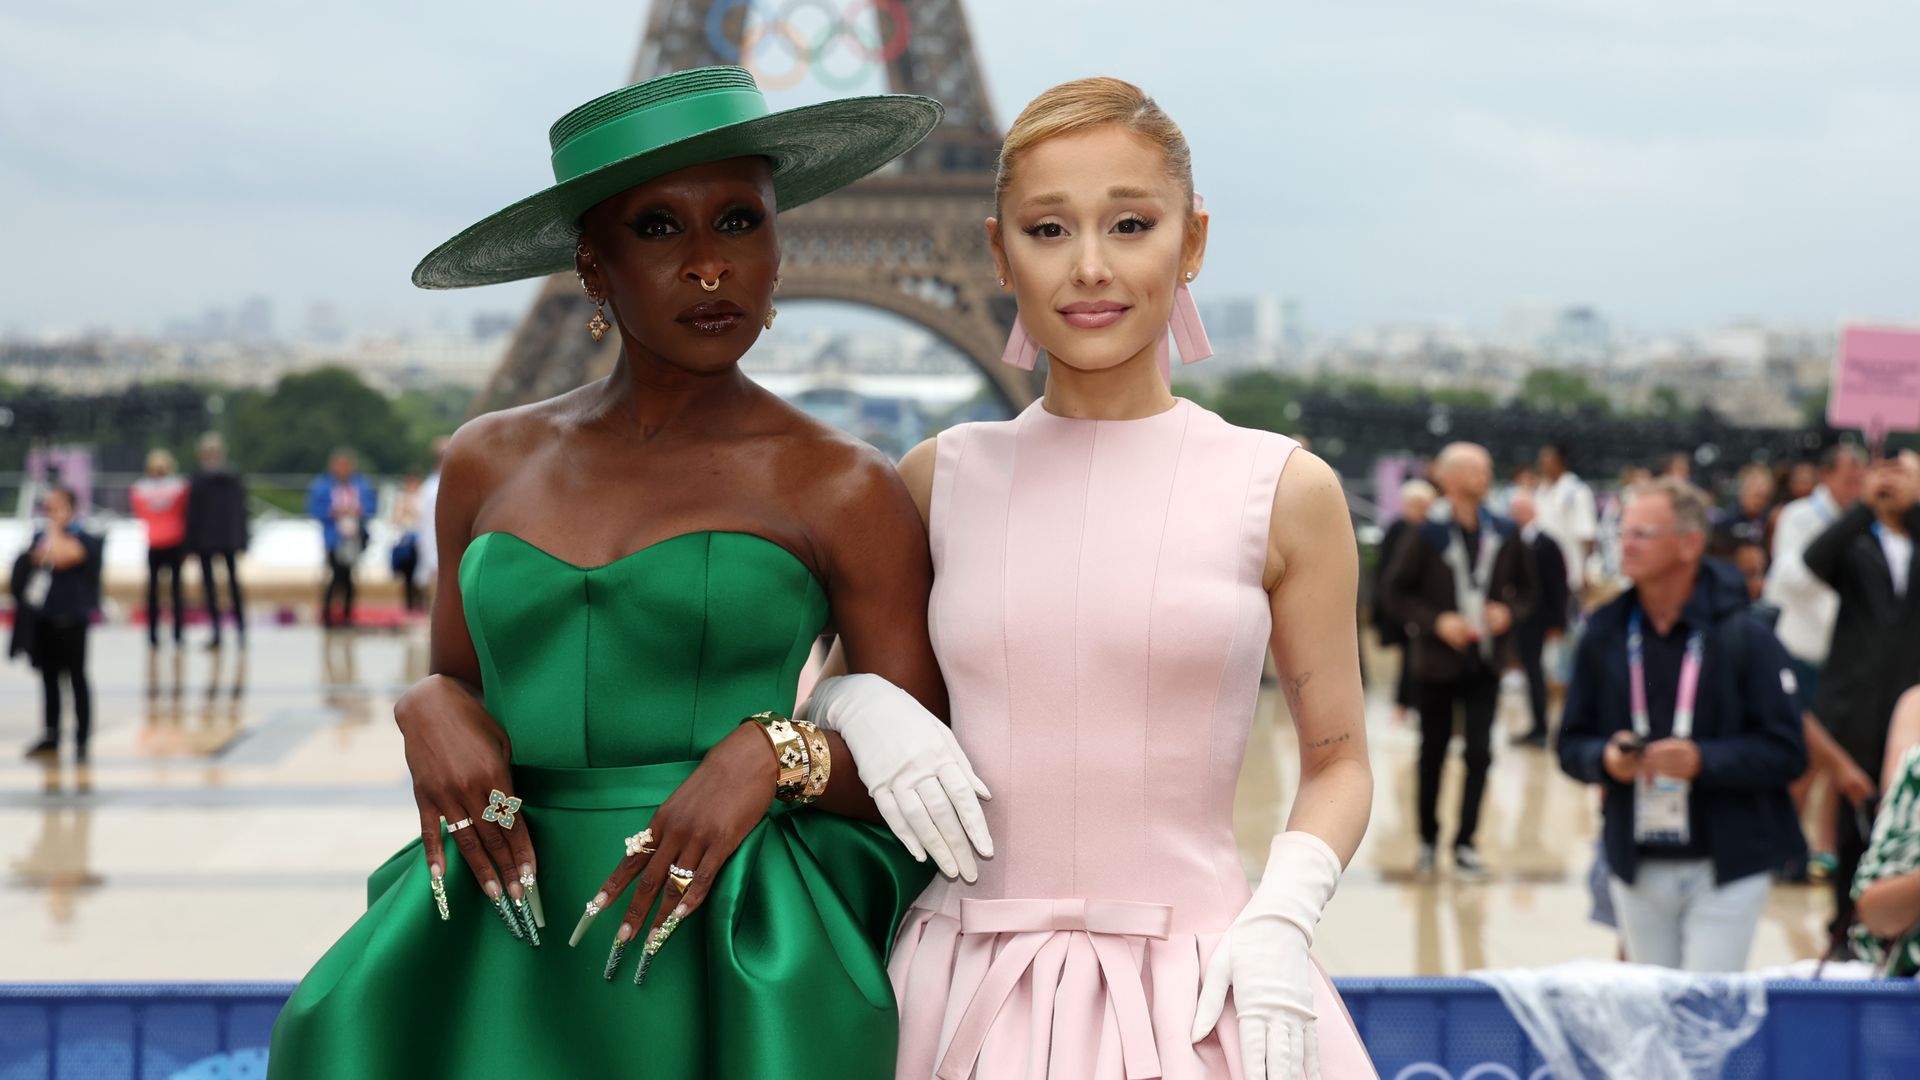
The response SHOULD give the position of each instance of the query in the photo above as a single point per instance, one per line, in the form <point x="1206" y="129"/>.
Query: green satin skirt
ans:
<point x="781" y="973"/>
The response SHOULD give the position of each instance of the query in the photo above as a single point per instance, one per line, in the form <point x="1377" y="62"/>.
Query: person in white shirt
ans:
<point x="1807" y="606"/>
<point x="1564" y="509"/>
<point x="1807" y="610"/>
<point x="427" y="570"/>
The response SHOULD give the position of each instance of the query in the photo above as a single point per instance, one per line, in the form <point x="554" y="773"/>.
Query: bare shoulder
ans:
<point x="830" y="470"/>
<point x="486" y="452"/>
<point x="1309" y="499"/>
<point x="1310" y="520"/>
<point x="916" y="470"/>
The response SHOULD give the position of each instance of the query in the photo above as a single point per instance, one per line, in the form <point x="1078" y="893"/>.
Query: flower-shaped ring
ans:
<point x="501" y="809"/>
<point x="640" y="843"/>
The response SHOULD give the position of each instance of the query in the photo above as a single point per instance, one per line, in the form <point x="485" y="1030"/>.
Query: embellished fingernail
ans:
<point x="533" y="895"/>
<point x="655" y="941"/>
<point x="506" y="916"/>
<point x="526" y="922"/>
<point x="439" y="884"/>
<point x="593" y="908"/>
<point x="619" y="951"/>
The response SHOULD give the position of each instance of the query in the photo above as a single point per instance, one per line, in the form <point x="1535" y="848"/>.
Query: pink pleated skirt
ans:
<point x="1075" y="1004"/>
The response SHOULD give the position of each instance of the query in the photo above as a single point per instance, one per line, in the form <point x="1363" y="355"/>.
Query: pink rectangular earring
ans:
<point x="1022" y="351"/>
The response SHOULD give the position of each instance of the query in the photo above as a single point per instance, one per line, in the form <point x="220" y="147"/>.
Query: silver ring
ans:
<point x="456" y="826"/>
<point x="681" y="877"/>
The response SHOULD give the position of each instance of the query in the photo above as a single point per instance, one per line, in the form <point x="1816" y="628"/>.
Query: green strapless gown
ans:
<point x="612" y="681"/>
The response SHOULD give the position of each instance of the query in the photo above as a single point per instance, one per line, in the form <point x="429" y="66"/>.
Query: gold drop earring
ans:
<point x="598" y="325"/>
<point x="771" y="310"/>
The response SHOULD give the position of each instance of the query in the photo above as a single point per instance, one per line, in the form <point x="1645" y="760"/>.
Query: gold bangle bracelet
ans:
<point x="789" y="753"/>
<point x="819" y="763"/>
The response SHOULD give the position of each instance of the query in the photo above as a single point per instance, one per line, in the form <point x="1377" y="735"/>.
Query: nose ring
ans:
<point x="713" y="286"/>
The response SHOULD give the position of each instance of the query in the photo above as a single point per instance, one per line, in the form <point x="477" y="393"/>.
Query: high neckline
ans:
<point x="1040" y="411"/>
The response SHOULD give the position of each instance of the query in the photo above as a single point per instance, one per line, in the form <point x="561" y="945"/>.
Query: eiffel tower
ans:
<point x="907" y="240"/>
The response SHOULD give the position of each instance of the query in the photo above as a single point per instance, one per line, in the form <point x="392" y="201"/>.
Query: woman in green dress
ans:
<point x="628" y="572"/>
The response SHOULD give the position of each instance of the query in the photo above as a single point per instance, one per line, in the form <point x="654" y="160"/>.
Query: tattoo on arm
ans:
<point x="1295" y="687"/>
<point x="1330" y="740"/>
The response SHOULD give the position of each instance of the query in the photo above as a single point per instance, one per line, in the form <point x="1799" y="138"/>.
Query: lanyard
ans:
<point x="1479" y="555"/>
<point x="1689" y="681"/>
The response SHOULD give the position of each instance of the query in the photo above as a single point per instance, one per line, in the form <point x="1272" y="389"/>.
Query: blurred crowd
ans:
<point x="1727" y="667"/>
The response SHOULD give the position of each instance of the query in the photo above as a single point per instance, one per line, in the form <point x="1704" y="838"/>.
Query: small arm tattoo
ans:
<point x="1330" y="740"/>
<point x="1296" y="686"/>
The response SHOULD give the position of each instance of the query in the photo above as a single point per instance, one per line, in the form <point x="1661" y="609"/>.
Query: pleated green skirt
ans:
<point x="782" y="972"/>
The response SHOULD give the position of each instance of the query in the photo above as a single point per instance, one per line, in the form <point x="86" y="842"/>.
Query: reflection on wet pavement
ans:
<point x="236" y="801"/>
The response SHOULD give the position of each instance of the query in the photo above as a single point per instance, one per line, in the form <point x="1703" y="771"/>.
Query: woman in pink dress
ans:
<point x="1111" y="567"/>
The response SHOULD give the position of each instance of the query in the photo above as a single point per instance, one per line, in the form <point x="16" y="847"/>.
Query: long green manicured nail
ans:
<point x="615" y="956"/>
<point x="526" y="922"/>
<point x="593" y="908"/>
<point x="506" y="916"/>
<point x="533" y="895"/>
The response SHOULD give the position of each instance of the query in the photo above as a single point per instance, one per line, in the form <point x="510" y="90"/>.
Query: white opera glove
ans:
<point x="913" y="767"/>
<point x="1264" y="959"/>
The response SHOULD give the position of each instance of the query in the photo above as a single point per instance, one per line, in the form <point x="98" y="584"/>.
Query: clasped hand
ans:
<point x="920" y="779"/>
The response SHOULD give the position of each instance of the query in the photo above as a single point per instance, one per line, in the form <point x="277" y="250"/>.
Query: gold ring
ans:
<point x="681" y="877"/>
<point x="640" y="843"/>
<point x="715" y="287"/>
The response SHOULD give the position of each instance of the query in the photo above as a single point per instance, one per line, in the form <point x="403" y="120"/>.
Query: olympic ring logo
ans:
<point x="811" y="33"/>
<point x="1492" y="1070"/>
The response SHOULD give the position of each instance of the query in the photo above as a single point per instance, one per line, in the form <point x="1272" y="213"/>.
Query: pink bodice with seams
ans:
<point x="1099" y="614"/>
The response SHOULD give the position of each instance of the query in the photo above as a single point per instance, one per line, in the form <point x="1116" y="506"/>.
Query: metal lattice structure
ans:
<point x="907" y="240"/>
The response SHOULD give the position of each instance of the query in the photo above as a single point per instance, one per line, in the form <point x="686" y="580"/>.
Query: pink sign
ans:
<point x="1876" y="380"/>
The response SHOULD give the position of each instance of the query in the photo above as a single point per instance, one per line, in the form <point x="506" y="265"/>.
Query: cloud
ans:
<point x="1674" y="163"/>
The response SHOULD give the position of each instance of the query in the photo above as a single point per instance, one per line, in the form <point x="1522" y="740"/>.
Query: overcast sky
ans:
<point x="1674" y="162"/>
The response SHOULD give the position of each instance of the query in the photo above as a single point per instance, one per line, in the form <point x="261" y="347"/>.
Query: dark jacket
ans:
<point x="1745" y="725"/>
<point x="1388" y="627"/>
<point x="26" y="619"/>
<point x="217" y="512"/>
<point x="1419" y="589"/>
<point x="1876" y="636"/>
<point x="1550" y="568"/>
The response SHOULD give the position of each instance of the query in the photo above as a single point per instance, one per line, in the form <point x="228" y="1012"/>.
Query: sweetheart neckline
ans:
<point x="636" y="553"/>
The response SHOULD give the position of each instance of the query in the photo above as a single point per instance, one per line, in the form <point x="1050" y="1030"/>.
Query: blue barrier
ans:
<point x="1416" y="1029"/>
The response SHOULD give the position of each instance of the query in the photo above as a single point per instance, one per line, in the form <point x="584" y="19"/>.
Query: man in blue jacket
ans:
<point x="343" y="502"/>
<point x="1681" y="704"/>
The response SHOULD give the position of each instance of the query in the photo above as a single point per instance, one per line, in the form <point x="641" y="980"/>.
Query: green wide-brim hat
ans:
<point x="625" y="138"/>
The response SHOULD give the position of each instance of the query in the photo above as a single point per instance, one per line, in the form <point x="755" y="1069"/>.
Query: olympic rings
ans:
<point x="792" y="76"/>
<point x="838" y="27"/>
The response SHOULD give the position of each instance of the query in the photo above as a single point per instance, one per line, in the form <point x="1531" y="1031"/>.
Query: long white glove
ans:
<point x="913" y="767"/>
<point x="1264" y="958"/>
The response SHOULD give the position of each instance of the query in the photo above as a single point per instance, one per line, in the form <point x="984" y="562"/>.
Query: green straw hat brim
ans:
<point x="815" y="149"/>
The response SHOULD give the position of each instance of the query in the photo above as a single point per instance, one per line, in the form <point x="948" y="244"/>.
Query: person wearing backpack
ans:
<point x="1681" y="704"/>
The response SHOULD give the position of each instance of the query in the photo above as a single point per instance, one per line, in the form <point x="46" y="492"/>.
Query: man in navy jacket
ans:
<point x="1697" y="812"/>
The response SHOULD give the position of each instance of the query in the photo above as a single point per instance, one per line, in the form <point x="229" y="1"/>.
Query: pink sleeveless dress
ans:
<point x="1098" y="614"/>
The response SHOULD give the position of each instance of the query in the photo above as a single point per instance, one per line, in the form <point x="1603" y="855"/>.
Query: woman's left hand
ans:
<point x="698" y="828"/>
<point x="1264" y="961"/>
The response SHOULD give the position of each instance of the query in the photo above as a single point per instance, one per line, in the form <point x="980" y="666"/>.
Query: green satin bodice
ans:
<point x="653" y="657"/>
<point x="611" y="682"/>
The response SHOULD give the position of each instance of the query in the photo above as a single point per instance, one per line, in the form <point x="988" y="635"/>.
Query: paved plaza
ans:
<point x="235" y="803"/>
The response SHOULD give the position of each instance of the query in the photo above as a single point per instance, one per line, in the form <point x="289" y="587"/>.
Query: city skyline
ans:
<point x="1675" y="169"/>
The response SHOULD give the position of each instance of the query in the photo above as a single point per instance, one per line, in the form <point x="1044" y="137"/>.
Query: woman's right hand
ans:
<point x="459" y="755"/>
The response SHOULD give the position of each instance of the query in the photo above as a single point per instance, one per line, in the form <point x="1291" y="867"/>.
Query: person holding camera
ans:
<point x="56" y="589"/>
<point x="1867" y="557"/>
<point x="1681" y="704"/>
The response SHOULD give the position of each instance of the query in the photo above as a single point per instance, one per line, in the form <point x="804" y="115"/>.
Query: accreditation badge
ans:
<point x="1660" y="811"/>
